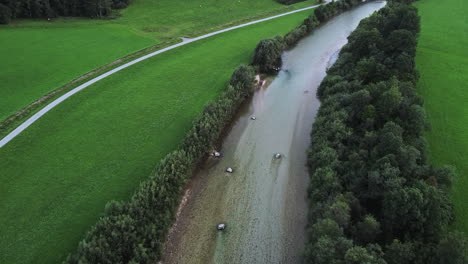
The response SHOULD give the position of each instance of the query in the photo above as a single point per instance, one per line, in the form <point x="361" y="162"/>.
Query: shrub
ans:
<point x="267" y="55"/>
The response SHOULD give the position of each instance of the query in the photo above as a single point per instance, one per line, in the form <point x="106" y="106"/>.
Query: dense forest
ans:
<point x="373" y="196"/>
<point x="11" y="9"/>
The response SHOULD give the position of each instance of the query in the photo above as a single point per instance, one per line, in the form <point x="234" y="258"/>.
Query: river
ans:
<point x="263" y="202"/>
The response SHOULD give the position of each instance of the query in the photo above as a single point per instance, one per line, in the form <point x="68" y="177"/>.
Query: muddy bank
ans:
<point x="263" y="202"/>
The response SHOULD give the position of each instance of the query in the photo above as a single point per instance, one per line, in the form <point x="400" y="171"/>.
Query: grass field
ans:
<point x="38" y="57"/>
<point x="98" y="145"/>
<point x="442" y="60"/>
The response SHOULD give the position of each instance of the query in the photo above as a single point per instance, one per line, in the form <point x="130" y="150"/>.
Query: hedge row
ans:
<point x="12" y="9"/>
<point x="135" y="231"/>
<point x="373" y="196"/>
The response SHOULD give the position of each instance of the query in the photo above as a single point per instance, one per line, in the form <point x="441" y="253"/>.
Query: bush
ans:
<point x="295" y="35"/>
<point x="267" y="56"/>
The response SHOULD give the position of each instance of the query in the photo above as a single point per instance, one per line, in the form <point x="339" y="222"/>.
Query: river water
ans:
<point x="263" y="202"/>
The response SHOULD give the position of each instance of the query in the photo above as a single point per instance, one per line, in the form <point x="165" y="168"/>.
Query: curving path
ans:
<point x="185" y="41"/>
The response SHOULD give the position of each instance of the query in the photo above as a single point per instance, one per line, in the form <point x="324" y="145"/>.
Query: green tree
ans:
<point x="401" y="41"/>
<point x="97" y="8"/>
<point x="340" y="212"/>
<point x="364" y="42"/>
<point x="267" y="55"/>
<point x="389" y="102"/>
<point x="400" y="253"/>
<point x="327" y="250"/>
<point x="242" y="77"/>
<point x="453" y="249"/>
<point x="360" y="255"/>
<point x="367" y="230"/>
<point x="390" y="139"/>
<point x="324" y="185"/>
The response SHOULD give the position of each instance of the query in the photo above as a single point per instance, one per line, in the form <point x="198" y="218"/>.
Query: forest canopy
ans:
<point x="373" y="196"/>
<point x="11" y="9"/>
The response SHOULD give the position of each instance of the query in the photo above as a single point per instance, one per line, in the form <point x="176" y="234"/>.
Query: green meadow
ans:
<point x="442" y="61"/>
<point x="39" y="56"/>
<point x="101" y="143"/>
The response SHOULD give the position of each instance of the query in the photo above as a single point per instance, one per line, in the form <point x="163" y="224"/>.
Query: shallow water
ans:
<point x="263" y="203"/>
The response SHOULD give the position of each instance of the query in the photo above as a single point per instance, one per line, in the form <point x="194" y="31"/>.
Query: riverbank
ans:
<point x="263" y="202"/>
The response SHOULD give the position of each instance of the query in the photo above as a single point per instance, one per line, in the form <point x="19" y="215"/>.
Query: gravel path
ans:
<point x="186" y="41"/>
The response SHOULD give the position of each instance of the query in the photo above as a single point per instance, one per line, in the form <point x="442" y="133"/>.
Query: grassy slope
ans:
<point x="38" y="57"/>
<point x="97" y="146"/>
<point x="442" y="61"/>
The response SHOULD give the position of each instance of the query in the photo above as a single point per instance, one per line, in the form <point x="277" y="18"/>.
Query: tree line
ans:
<point x="11" y="9"/>
<point x="373" y="196"/>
